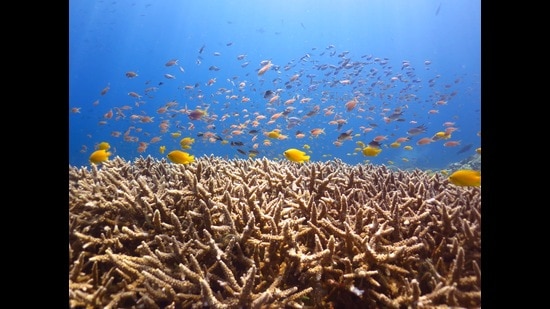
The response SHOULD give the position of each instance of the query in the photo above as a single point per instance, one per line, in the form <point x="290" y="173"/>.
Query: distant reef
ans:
<point x="471" y="163"/>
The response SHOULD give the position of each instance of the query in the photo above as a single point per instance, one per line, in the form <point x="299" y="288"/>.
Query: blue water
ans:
<point x="389" y="54"/>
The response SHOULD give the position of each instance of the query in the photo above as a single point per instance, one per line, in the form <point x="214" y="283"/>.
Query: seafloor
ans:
<point x="266" y="234"/>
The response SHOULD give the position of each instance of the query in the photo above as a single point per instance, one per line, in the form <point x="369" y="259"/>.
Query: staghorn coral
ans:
<point x="263" y="234"/>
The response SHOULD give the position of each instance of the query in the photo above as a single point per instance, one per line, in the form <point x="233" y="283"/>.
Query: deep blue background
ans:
<point x="109" y="38"/>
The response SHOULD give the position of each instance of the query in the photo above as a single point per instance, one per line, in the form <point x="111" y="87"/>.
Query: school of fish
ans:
<point x="270" y="103"/>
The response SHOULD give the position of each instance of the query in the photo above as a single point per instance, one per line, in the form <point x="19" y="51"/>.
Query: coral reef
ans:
<point x="473" y="162"/>
<point x="258" y="233"/>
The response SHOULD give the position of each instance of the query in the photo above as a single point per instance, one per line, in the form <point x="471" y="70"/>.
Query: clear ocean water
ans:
<point x="359" y="71"/>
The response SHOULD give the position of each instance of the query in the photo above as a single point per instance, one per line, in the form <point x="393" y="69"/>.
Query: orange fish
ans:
<point x="380" y="138"/>
<point x="451" y="143"/>
<point x="109" y="114"/>
<point x="317" y="131"/>
<point x="273" y="99"/>
<point x="105" y="90"/>
<point x="350" y="105"/>
<point x="265" y="68"/>
<point x="424" y="141"/>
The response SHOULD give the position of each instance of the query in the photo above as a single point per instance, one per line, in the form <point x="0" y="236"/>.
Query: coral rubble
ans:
<point x="265" y="234"/>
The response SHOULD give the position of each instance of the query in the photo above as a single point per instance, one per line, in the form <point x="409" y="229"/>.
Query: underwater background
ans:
<point x="255" y="78"/>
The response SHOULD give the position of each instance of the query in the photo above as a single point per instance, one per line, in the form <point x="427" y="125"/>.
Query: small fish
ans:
<point x="99" y="156"/>
<point x="265" y="68"/>
<point x="196" y="114"/>
<point x="375" y="143"/>
<point x="268" y="94"/>
<point x="105" y="90"/>
<point x="417" y="130"/>
<point x="275" y="133"/>
<point x="451" y="143"/>
<point x="424" y="141"/>
<point x="441" y="135"/>
<point x="317" y="131"/>
<point x="464" y="149"/>
<point x="180" y="157"/>
<point x="296" y="155"/>
<point x="345" y="136"/>
<point x="171" y="62"/>
<point x="292" y="122"/>
<point x="134" y="94"/>
<point x="395" y="115"/>
<point x="371" y="151"/>
<point x="186" y="142"/>
<point x="130" y="74"/>
<point x="103" y="146"/>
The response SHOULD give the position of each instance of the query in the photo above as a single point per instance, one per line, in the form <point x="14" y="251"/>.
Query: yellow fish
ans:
<point x="408" y="147"/>
<point x="296" y="155"/>
<point x="175" y="134"/>
<point x="478" y="150"/>
<point x="274" y="134"/>
<point x="371" y="151"/>
<point x="180" y="157"/>
<point x="466" y="178"/>
<point x="99" y="156"/>
<point x="103" y="146"/>
<point x="186" y="142"/>
<point x="441" y="135"/>
<point x="162" y="149"/>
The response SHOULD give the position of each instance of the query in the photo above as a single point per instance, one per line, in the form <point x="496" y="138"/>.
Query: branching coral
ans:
<point x="264" y="234"/>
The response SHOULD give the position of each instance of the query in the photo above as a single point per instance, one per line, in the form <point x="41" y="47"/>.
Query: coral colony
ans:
<point x="258" y="233"/>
